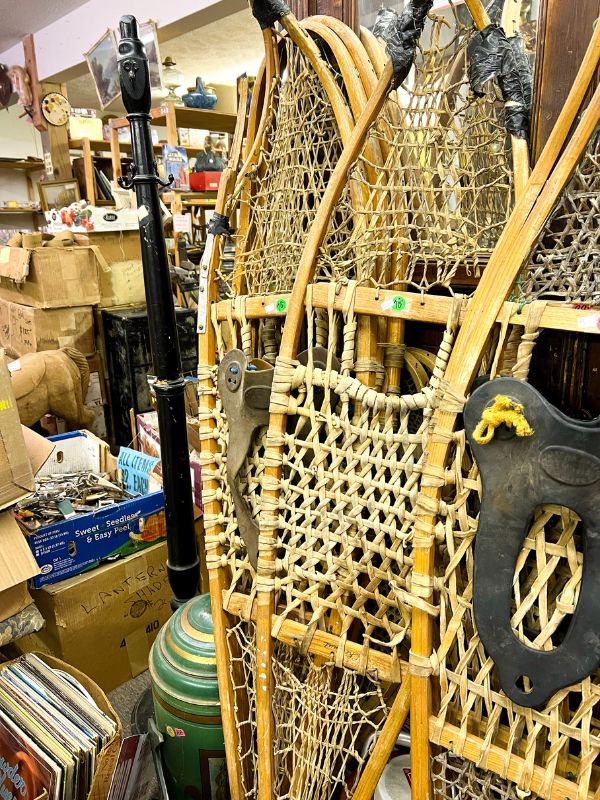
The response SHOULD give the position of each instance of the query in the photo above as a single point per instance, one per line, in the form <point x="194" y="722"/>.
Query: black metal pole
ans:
<point x="182" y="564"/>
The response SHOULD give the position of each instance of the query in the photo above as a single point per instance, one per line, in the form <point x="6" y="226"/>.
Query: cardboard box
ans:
<point x="24" y="329"/>
<point x="49" y="277"/>
<point x="121" y="273"/>
<point x="149" y="442"/>
<point x="117" y="245"/>
<point x="16" y="476"/>
<point x="17" y="566"/>
<point x="22" y="452"/>
<point x="104" y="622"/>
<point x="85" y="128"/>
<point x="228" y="99"/>
<point x="70" y="546"/>
<point x="122" y="283"/>
<point x="15" y="599"/>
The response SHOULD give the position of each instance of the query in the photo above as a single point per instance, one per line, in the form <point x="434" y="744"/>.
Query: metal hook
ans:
<point x="167" y="183"/>
<point x="133" y="178"/>
<point x="127" y="183"/>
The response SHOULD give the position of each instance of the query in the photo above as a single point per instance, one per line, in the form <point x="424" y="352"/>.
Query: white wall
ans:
<point x="18" y="137"/>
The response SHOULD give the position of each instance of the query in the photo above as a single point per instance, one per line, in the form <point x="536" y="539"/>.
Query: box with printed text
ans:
<point x="70" y="546"/>
<point x="122" y="605"/>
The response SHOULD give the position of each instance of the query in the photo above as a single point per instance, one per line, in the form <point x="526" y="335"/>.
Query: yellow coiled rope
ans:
<point x="504" y="412"/>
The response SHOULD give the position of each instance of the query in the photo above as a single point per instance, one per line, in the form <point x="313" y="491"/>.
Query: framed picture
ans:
<point x="58" y="194"/>
<point x="102" y="61"/>
<point x="147" y="32"/>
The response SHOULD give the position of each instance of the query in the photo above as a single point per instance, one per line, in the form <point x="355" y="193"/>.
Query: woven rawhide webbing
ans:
<point x="550" y="751"/>
<point x="455" y="778"/>
<point x="352" y="467"/>
<point x="279" y="194"/>
<point x="566" y="263"/>
<point x="438" y="202"/>
<point x="321" y="724"/>
<point x="301" y="146"/>
<point x="231" y="335"/>
<point x="559" y="738"/>
<point x="341" y="519"/>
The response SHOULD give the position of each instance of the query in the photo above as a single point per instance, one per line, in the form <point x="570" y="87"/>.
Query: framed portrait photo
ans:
<point x="148" y="35"/>
<point x="58" y="194"/>
<point x="102" y="62"/>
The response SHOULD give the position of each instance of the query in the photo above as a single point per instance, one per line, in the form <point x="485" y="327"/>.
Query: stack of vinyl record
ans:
<point x="51" y="733"/>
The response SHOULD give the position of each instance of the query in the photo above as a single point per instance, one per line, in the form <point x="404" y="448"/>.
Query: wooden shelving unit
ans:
<point x="174" y="117"/>
<point x="102" y="146"/>
<point x="20" y="210"/>
<point x="86" y="175"/>
<point x="181" y="117"/>
<point x="26" y="165"/>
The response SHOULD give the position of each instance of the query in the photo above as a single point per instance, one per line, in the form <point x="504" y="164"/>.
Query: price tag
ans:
<point x="48" y="165"/>
<point x="182" y="223"/>
<point x="397" y="304"/>
<point x="135" y="467"/>
<point x="279" y="306"/>
<point x="591" y="322"/>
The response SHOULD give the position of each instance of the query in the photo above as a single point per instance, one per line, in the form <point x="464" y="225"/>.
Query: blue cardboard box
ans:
<point x="70" y="546"/>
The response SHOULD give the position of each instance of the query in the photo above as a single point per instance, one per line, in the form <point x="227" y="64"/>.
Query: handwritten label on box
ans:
<point x="136" y="468"/>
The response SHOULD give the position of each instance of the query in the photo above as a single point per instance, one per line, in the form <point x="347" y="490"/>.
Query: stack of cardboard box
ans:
<point x="121" y="275"/>
<point x="22" y="453"/>
<point x="48" y="296"/>
<point x="120" y="605"/>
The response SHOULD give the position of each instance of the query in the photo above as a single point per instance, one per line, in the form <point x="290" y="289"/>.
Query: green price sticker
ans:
<point x="280" y="305"/>
<point x="398" y="303"/>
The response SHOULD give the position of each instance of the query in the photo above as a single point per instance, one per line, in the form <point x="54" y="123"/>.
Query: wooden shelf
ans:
<point x="102" y="146"/>
<point x="25" y="164"/>
<point x="218" y="121"/>
<point x="188" y="196"/>
<point x="95" y="144"/>
<point x="200" y="118"/>
<point x="173" y="118"/>
<point x="19" y="210"/>
<point x="200" y="202"/>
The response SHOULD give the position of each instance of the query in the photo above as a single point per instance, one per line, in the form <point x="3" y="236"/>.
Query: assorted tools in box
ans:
<point x="65" y="496"/>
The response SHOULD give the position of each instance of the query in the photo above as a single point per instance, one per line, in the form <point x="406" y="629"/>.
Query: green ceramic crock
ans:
<point x="186" y="704"/>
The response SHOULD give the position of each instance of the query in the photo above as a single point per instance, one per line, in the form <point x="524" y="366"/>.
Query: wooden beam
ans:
<point x="115" y="154"/>
<point x="496" y="761"/>
<point x="88" y="170"/>
<point x="171" y="120"/>
<point x="323" y="645"/>
<point x="562" y="40"/>
<point x="578" y="318"/>
<point x="55" y="141"/>
<point x="36" y="89"/>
